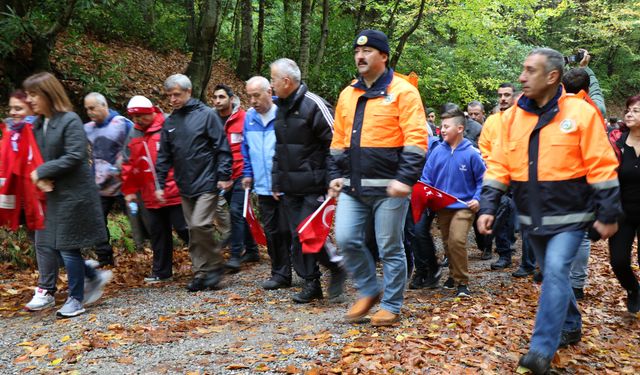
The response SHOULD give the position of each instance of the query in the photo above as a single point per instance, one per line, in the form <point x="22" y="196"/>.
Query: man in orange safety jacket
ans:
<point x="552" y="150"/>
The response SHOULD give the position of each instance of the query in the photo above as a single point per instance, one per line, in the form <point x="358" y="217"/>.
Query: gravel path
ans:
<point x="165" y="329"/>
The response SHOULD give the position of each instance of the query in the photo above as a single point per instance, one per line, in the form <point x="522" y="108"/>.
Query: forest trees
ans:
<point x="460" y="49"/>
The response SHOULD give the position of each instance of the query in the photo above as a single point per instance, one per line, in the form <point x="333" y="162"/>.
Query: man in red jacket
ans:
<point x="139" y="176"/>
<point x="227" y="106"/>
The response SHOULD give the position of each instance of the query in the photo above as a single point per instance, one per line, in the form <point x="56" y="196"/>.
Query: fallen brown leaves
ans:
<point x="142" y="71"/>
<point x="488" y="333"/>
<point x="439" y="333"/>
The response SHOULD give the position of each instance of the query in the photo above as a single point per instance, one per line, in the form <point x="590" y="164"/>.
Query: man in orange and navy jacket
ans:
<point x="552" y="150"/>
<point x="377" y="153"/>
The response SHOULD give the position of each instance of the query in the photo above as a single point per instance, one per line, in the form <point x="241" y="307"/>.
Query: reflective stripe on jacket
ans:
<point x="379" y="135"/>
<point x="559" y="163"/>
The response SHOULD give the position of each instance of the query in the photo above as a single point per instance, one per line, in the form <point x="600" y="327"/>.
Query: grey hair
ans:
<point x="98" y="98"/>
<point x="476" y="103"/>
<point x="555" y="60"/>
<point x="179" y="80"/>
<point x="288" y="68"/>
<point x="262" y="82"/>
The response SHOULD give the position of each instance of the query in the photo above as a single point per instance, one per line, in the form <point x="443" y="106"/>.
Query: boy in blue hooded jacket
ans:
<point x="456" y="168"/>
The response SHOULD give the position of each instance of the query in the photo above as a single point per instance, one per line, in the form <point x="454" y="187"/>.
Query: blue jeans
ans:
<point x="504" y="228"/>
<point x="557" y="308"/>
<point x="580" y="266"/>
<point x="48" y="266"/>
<point x="240" y="232"/>
<point x="389" y="215"/>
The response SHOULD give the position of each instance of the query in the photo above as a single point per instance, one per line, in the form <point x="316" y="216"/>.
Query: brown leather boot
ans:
<point x="361" y="308"/>
<point x="384" y="318"/>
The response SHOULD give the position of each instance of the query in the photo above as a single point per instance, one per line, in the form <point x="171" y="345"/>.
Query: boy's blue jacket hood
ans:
<point x="456" y="171"/>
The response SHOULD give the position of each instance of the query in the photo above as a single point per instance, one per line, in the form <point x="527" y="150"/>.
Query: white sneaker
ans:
<point x="71" y="308"/>
<point x="94" y="288"/>
<point x="41" y="300"/>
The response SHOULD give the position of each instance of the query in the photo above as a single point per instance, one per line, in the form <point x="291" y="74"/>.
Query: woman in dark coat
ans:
<point x="73" y="217"/>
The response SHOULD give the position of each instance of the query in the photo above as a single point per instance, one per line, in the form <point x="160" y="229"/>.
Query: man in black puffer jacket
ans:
<point x="193" y="141"/>
<point x="303" y="127"/>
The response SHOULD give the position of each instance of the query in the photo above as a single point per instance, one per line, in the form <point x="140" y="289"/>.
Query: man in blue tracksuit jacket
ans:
<point x="456" y="168"/>
<point x="258" y="148"/>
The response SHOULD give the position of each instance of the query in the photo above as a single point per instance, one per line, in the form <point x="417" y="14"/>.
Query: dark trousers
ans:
<point x="483" y="241"/>
<point x="104" y="250"/>
<point x="298" y="208"/>
<point x="240" y="234"/>
<point x="278" y="236"/>
<point x="424" y="250"/>
<point x="620" y="247"/>
<point x="161" y="221"/>
<point x="504" y="228"/>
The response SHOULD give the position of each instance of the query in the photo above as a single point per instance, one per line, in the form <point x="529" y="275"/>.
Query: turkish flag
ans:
<point x="314" y="230"/>
<point x="254" y="225"/>
<point x="426" y="196"/>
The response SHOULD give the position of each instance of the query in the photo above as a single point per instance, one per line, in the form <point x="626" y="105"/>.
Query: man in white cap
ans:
<point x="139" y="176"/>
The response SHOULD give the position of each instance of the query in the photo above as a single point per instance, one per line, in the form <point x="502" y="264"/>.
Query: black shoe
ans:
<point x="486" y="254"/>
<point x="445" y="262"/>
<point x="272" y="284"/>
<point x="417" y="281"/>
<point x="250" y="257"/>
<point x="212" y="280"/>
<point x="336" y="283"/>
<point x="570" y="338"/>
<point x="433" y="279"/>
<point x="578" y="293"/>
<point x="449" y="284"/>
<point x="310" y="291"/>
<point x="233" y="265"/>
<point x="633" y="301"/>
<point x="463" y="291"/>
<point x="521" y="272"/>
<point x="537" y="277"/>
<point x="535" y="363"/>
<point x="501" y="263"/>
<point x="196" y="285"/>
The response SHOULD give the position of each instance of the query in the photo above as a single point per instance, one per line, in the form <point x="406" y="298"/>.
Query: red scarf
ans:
<point x="19" y="156"/>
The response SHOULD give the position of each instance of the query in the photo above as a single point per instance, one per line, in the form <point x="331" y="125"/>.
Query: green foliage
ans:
<point x="162" y="27"/>
<point x="16" y="248"/>
<point x="120" y="232"/>
<point x="102" y="78"/>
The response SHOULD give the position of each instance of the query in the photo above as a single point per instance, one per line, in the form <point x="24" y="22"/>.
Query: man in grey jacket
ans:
<point x="194" y="143"/>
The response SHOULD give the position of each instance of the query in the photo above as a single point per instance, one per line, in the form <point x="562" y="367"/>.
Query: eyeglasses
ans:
<point x="635" y="111"/>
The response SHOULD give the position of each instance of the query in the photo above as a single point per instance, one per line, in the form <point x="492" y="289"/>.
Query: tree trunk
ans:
<point x="360" y="16"/>
<point x="243" y="70"/>
<point x="192" y="25"/>
<point x="199" y="69"/>
<point x="260" y="37"/>
<point x="391" y="21"/>
<point x="303" y="59"/>
<point x="403" y="39"/>
<point x="149" y="12"/>
<point x="324" y="36"/>
<point x="287" y="26"/>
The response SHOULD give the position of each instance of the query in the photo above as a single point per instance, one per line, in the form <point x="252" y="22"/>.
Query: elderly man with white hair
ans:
<point x="258" y="148"/>
<point x="107" y="133"/>
<point x="194" y="143"/>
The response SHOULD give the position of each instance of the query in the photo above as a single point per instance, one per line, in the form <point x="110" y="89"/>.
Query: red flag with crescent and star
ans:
<point x="314" y="230"/>
<point x="252" y="221"/>
<point x="426" y="196"/>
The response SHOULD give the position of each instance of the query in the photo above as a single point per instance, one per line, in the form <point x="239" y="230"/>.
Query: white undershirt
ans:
<point x="270" y="115"/>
